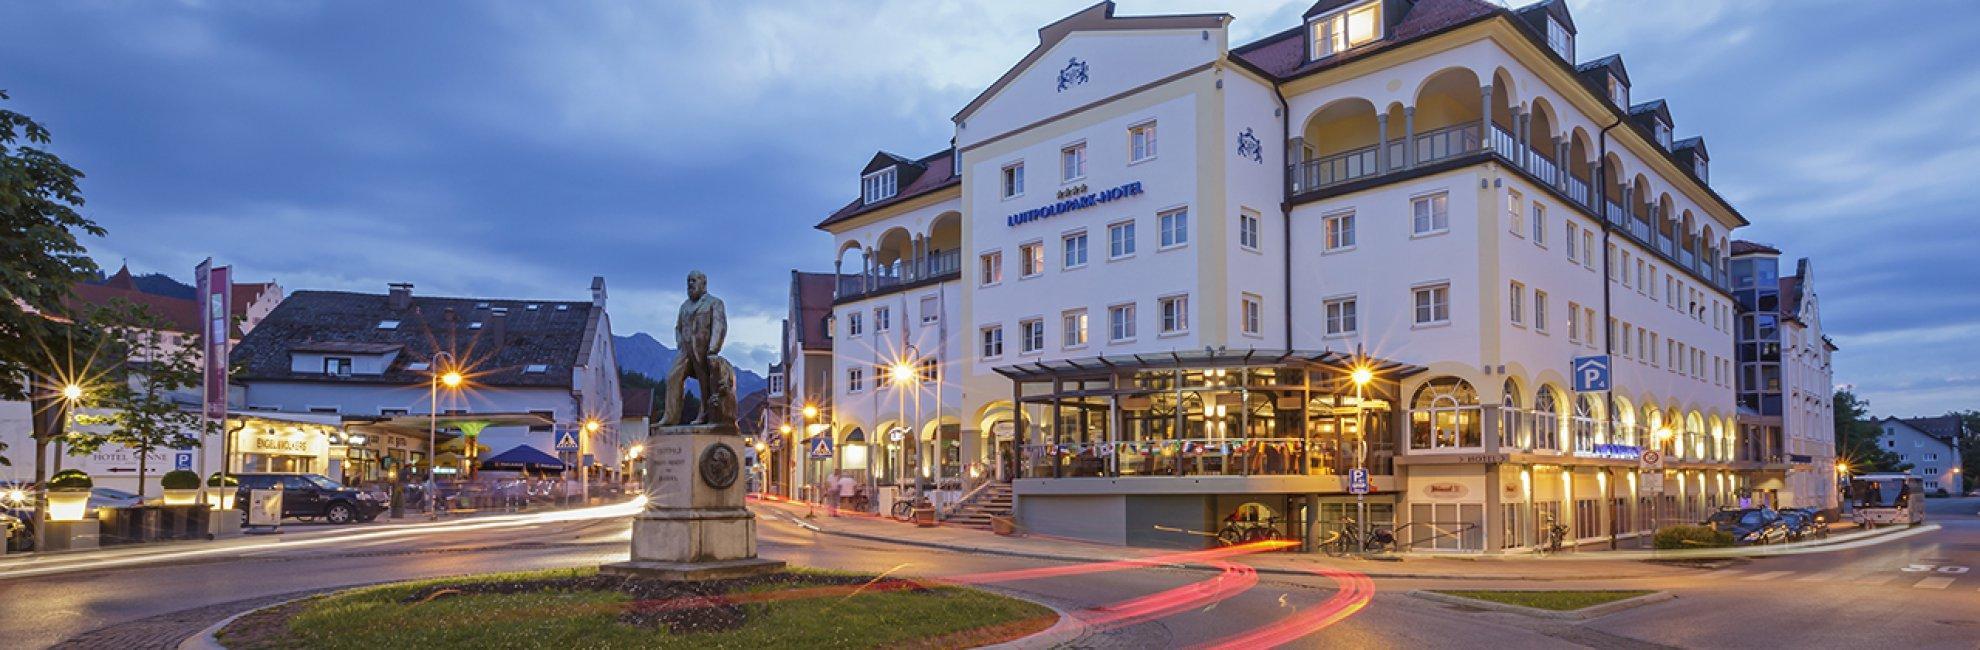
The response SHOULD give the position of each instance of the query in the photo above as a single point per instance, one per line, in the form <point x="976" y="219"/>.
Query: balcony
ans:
<point x="940" y="266"/>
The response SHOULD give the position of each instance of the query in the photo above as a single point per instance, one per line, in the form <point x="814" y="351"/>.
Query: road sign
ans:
<point x="1591" y="373"/>
<point x="821" y="447"/>
<point x="1652" y="459"/>
<point x="182" y="460"/>
<point x="1650" y="483"/>
<point x="567" y="440"/>
<point x="1357" y="481"/>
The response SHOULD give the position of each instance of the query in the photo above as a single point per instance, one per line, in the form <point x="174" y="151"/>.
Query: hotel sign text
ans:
<point x="1074" y="203"/>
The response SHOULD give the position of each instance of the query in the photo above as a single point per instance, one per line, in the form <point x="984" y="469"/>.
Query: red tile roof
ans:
<point x="1743" y="247"/>
<point x="938" y="172"/>
<point x="1283" y="55"/>
<point x="814" y="292"/>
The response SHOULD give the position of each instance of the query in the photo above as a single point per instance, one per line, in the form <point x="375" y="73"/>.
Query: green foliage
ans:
<point x="179" y="479"/>
<point x="1554" y="600"/>
<point x="139" y="408"/>
<point x="1969" y="445"/>
<point x="70" y="479"/>
<point x="40" y="256"/>
<point x="1856" y="437"/>
<point x="222" y="480"/>
<point x="1688" y="536"/>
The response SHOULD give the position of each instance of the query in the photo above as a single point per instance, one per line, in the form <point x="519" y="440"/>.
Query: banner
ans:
<point x="216" y="289"/>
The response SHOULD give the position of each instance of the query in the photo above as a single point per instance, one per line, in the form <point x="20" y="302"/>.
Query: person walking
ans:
<point x="846" y="487"/>
<point x="832" y="494"/>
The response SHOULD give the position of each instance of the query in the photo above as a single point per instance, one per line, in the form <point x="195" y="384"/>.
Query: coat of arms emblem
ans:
<point x="1074" y="74"/>
<point x="1249" y="147"/>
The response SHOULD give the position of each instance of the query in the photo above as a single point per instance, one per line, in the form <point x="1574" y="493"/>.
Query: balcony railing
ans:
<point x="936" y="265"/>
<point x="1195" y="457"/>
<point x="1337" y="168"/>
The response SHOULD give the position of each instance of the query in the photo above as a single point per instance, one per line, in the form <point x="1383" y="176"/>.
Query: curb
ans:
<point x="209" y="638"/>
<point x="1065" y="630"/>
<point x="1582" y="614"/>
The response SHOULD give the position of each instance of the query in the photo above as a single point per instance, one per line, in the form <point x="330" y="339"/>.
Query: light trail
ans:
<point x="1117" y="565"/>
<point x="1354" y="592"/>
<point x="338" y="537"/>
<point x="1235" y="579"/>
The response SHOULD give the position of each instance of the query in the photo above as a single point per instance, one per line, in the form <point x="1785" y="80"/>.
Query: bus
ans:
<point x="1886" y="499"/>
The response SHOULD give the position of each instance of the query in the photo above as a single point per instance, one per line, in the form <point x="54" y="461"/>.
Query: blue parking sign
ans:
<point x="1358" y="481"/>
<point x="1591" y="373"/>
<point x="182" y="460"/>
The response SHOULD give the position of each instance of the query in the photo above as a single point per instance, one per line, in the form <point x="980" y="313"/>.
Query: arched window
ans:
<point x="1515" y="426"/>
<point x="1547" y="419"/>
<point x="1444" y="415"/>
<point x="1584" y="423"/>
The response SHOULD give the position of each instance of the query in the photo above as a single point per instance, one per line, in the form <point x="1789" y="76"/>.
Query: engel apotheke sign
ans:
<point x="1075" y="203"/>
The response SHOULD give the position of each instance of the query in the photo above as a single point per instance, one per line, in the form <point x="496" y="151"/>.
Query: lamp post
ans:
<point x="591" y="427"/>
<point x="816" y="471"/>
<point x="444" y="374"/>
<point x="905" y="380"/>
<point x="1361" y="375"/>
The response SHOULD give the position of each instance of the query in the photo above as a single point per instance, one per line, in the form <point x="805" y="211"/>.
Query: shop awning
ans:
<point x="523" y="457"/>
<point x="1206" y="358"/>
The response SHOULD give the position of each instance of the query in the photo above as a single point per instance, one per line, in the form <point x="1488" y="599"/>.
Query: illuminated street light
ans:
<point x="72" y="392"/>
<point x="591" y="425"/>
<point x="1361" y="376"/>
<point x="785" y="428"/>
<point x="810" y="412"/>
<point x="452" y="379"/>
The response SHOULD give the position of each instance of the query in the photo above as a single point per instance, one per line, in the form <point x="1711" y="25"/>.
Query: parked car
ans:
<point x="1750" y="525"/>
<point x="103" y="497"/>
<point x="308" y="496"/>
<point x="1805" y="522"/>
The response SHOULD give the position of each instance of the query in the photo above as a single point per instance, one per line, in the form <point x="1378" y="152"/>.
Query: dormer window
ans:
<point x="1663" y="135"/>
<point x="1560" y="39"/>
<point x="337" y="366"/>
<point x="1618" y="91"/>
<point x="1699" y="168"/>
<point x="1345" y="29"/>
<point x="880" y="185"/>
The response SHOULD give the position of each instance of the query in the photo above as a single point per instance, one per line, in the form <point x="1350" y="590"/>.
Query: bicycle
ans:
<point x="1552" y="538"/>
<point x="904" y="504"/>
<point x="1237" y="532"/>
<point x="1340" y="543"/>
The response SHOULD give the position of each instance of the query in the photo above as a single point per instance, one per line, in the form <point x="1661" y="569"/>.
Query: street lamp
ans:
<point x="591" y="427"/>
<point x="905" y="379"/>
<point x="452" y="379"/>
<point x="1361" y="375"/>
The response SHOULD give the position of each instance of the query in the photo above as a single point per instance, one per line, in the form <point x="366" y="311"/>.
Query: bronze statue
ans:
<point x="698" y="333"/>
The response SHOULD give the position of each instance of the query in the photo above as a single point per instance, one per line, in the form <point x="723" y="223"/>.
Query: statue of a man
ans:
<point x="698" y="335"/>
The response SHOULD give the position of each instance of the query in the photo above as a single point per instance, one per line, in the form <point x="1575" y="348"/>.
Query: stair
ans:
<point x="975" y="510"/>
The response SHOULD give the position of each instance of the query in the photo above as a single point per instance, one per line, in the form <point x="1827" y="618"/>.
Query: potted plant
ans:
<point x="223" y="487"/>
<point x="68" y="495"/>
<point x="181" y="487"/>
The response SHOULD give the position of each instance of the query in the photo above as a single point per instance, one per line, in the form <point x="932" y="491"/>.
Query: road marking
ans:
<point x="1727" y="574"/>
<point x="1770" y="575"/>
<point x="1935" y="582"/>
<point x="1877" y="579"/>
<point x="1823" y="577"/>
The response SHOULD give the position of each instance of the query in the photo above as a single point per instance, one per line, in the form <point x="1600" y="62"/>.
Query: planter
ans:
<point x="221" y="498"/>
<point x="154" y="523"/>
<point x="924" y="516"/>
<point x="181" y="497"/>
<point x="68" y="505"/>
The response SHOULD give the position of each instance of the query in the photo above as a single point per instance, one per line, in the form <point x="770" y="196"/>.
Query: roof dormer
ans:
<point x="1691" y="152"/>
<point x="1551" y="20"/>
<point x="1336" y="26"/>
<point x="1654" y="117"/>
<point x="884" y="175"/>
<point x="1609" y="77"/>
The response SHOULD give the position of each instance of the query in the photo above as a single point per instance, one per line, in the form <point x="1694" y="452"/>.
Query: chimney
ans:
<point x="598" y="291"/>
<point x="399" y="296"/>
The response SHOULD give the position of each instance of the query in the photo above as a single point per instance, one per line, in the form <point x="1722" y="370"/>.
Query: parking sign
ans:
<point x="182" y="460"/>
<point x="1357" y="481"/>
<point x="1591" y="373"/>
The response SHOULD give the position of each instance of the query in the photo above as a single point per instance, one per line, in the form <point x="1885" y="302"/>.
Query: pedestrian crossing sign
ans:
<point x="821" y="447"/>
<point x="567" y="440"/>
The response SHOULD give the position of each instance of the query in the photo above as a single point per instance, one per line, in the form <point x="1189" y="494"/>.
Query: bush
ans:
<point x="70" y="479"/>
<point x="179" y="479"/>
<point x="222" y="480"/>
<point x="1685" y="536"/>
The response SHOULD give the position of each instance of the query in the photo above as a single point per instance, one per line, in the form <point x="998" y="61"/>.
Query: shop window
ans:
<point x="1444" y="415"/>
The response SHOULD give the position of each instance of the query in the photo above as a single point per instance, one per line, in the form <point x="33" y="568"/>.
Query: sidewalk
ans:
<point x="1589" y="566"/>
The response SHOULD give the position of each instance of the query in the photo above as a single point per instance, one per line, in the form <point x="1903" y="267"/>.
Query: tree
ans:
<point x="40" y="257"/>
<point x="1856" y="437"/>
<point x="142" y="410"/>
<point x="1969" y="449"/>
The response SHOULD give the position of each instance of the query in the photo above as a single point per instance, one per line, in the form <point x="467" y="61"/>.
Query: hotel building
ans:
<point x="1140" y="282"/>
<point x="1786" y="385"/>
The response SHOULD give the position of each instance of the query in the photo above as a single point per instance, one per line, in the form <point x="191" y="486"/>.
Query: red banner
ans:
<point x="216" y="289"/>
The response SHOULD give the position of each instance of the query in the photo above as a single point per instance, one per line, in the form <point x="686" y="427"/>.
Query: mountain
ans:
<point x="646" y="355"/>
<point x="157" y="284"/>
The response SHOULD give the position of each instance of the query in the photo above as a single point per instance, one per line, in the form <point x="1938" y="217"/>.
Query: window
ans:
<point x="1574" y="322"/>
<point x="1013" y="180"/>
<point x="1248" y="229"/>
<point x="879" y="185"/>
<point x="1340" y="231"/>
<point x="883" y="319"/>
<point x="1175" y="228"/>
<point x="1560" y="40"/>
<point x="931" y="369"/>
<point x="1445" y="413"/>
<point x="1249" y="309"/>
<point x="1663" y="132"/>
<point x="1642" y="277"/>
<point x="1588" y="249"/>
<point x="1031" y="260"/>
<point x="1573" y="251"/>
<point x="1539" y="310"/>
<point x="1073" y="324"/>
<point x="1516" y="305"/>
<point x="1034" y="336"/>
<point x="1539" y="223"/>
<point x="1433" y="304"/>
<point x="1353" y="27"/>
<point x="1075" y="249"/>
<point x="1513" y="220"/>
<point x="1618" y="92"/>
<point x="388" y="324"/>
<point x="1141" y="142"/>
<point x="1432" y="213"/>
<point x="993" y="341"/>
<point x="536" y="368"/>
<point x="854" y="324"/>
<point x="1670" y="290"/>
<point x="1120" y="240"/>
<point x="1588" y="320"/>
<point x="855" y="379"/>
<point x="1341" y="317"/>
<point x="1120" y="322"/>
<point x="1175" y="314"/>
<point x="339" y="366"/>
<point x="992" y="265"/>
<point x="1072" y="163"/>
<point x="1700" y="168"/>
<point x="931" y="309"/>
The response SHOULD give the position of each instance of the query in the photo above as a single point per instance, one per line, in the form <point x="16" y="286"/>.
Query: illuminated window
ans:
<point x="993" y="268"/>
<point x="1175" y="314"/>
<point x="1031" y="257"/>
<point x="1340" y="231"/>
<point x="1345" y="29"/>
<point x="1073" y="324"/>
<point x="1250" y="308"/>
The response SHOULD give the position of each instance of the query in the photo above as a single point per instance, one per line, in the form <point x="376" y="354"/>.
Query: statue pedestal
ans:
<point x="696" y="525"/>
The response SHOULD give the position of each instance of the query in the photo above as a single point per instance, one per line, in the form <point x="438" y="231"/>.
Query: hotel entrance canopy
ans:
<point x="1343" y="362"/>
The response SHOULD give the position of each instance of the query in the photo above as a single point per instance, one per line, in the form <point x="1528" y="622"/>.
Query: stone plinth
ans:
<point x="695" y="526"/>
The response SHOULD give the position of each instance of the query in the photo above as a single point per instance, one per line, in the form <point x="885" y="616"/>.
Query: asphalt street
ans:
<point x="1915" y="592"/>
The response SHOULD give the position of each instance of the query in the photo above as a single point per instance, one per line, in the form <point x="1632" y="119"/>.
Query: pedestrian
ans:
<point x="847" y="487"/>
<point x="832" y="494"/>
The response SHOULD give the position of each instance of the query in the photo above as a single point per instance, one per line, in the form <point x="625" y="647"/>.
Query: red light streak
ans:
<point x="1235" y="579"/>
<point x="1355" y="591"/>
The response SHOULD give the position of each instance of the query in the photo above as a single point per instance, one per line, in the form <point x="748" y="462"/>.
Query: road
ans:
<point x="1853" y="597"/>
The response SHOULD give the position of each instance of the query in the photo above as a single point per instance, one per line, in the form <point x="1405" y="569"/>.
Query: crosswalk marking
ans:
<point x="1877" y="579"/>
<point x="1823" y="577"/>
<point x="1934" y="582"/>
<point x="1770" y="575"/>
